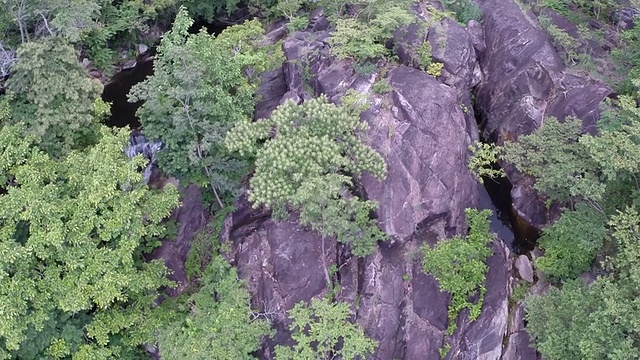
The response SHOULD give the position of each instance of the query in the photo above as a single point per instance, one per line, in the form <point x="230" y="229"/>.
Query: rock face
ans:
<point x="420" y="130"/>
<point x="524" y="82"/>
<point x="422" y="127"/>
<point x="191" y="217"/>
<point x="525" y="270"/>
<point x="482" y="339"/>
<point x="423" y="132"/>
<point x="283" y="264"/>
<point x="518" y="343"/>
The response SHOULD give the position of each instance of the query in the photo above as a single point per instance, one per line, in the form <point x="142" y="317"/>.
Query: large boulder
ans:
<point x="524" y="82"/>
<point x="452" y="45"/>
<point x="518" y="345"/>
<point x="423" y="138"/>
<point x="421" y="132"/>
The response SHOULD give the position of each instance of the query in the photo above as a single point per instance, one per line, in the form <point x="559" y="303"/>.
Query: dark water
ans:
<point x="523" y="237"/>
<point x="499" y="222"/>
<point x="123" y="113"/>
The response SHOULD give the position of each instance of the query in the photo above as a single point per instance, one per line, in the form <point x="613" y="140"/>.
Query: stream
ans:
<point x="123" y="113"/>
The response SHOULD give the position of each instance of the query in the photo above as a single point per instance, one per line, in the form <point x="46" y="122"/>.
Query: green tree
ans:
<point x="364" y="35"/>
<point x="483" y="161"/>
<point x="217" y="321"/>
<point x="303" y="153"/>
<point x="459" y="265"/>
<point x="573" y="323"/>
<point x="599" y="321"/>
<point x="465" y="10"/>
<point x="615" y="151"/>
<point x="53" y="96"/>
<point x="322" y="330"/>
<point x="571" y="243"/>
<point x="72" y="280"/>
<point x="561" y="165"/>
<point x="201" y="86"/>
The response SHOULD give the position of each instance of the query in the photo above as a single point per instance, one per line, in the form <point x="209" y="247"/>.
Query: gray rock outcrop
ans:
<point x="422" y="131"/>
<point x="422" y="127"/>
<point x="518" y="345"/>
<point x="191" y="217"/>
<point x="524" y="267"/>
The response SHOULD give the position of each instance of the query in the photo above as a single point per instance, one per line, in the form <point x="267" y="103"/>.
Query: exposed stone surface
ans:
<point x="518" y="347"/>
<point x="525" y="81"/>
<point x="282" y="262"/>
<point x="423" y="132"/>
<point x="482" y="339"/>
<point x="525" y="270"/>
<point x="270" y="93"/>
<point x="624" y="18"/>
<point x="453" y="46"/>
<point x="422" y="137"/>
<point x="191" y="217"/>
<point x="142" y="49"/>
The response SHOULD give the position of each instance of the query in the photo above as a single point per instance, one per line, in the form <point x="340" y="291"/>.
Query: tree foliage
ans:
<point x="362" y="34"/>
<point x="459" y="265"/>
<point x="322" y="330"/>
<point x="71" y="236"/>
<point x="561" y="165"/>
<point x="599" y="321"/>
<point x="596" y="321"/>
<point x="53" y="96"/>
<point x="201" y="86"/>
<point x="217" y="323"/>
<point x="99" y="26"/>
<point x="483" y="161"/>
<point x="570" y="245"/>
<point x="303" y="153"/>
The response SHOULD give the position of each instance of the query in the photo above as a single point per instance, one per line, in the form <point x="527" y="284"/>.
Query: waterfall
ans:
<point x="140" y="145"/>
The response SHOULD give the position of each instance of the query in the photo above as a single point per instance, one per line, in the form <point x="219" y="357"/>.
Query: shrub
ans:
<point x="571" y="244"/>
<point x="465" y="10"/>
<point x="322" y="331"/>
<point x="459" y="265"/>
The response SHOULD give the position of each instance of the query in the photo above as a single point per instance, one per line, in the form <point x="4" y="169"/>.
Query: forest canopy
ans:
<point x="79" y="222"/>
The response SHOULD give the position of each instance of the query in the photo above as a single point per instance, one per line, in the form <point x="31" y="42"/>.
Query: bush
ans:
<point x="571" y="244"/>
<point x="459" y="265"/>
<point x="323" y="331"/>
<point x="465" y="10"/>
<point x="302" y="155"/>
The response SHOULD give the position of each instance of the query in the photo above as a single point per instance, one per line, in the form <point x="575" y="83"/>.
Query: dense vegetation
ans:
<point x="77" y="220"/>
<point x="595" y="178"/>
